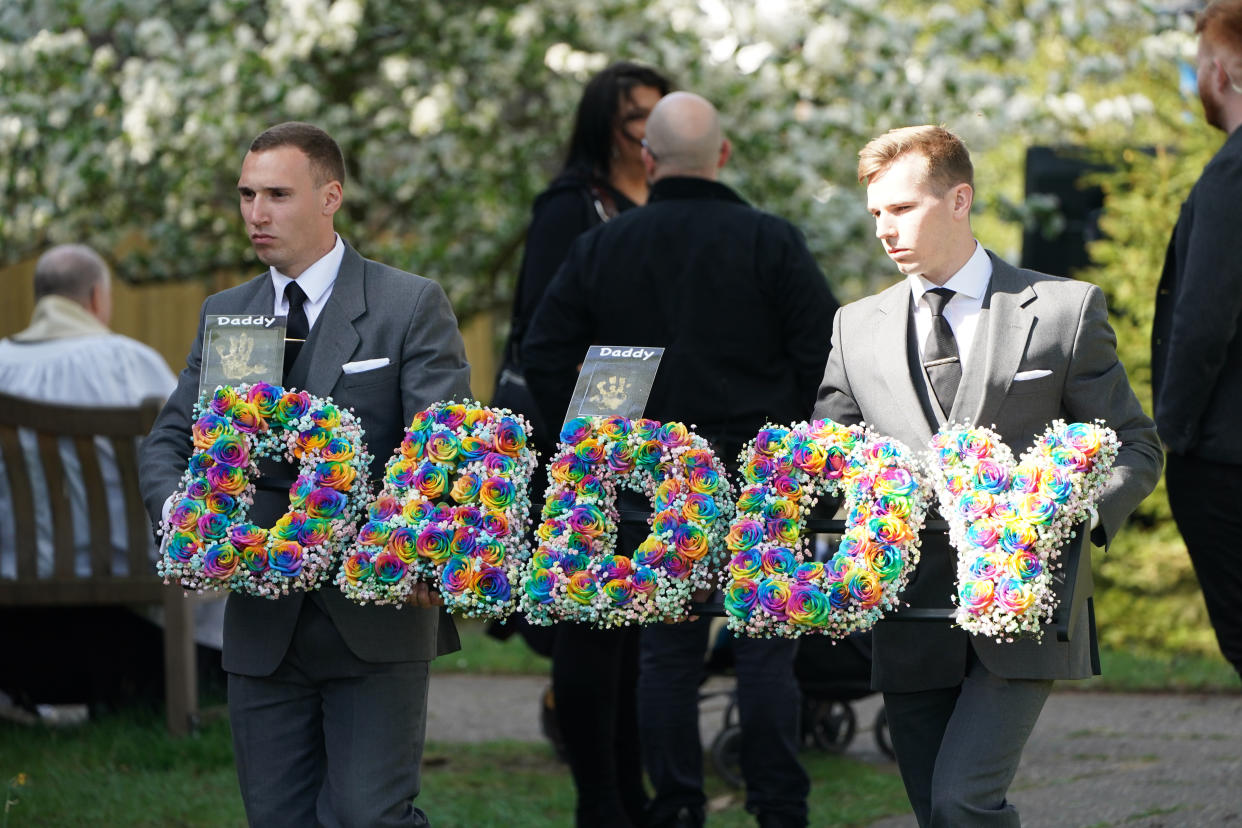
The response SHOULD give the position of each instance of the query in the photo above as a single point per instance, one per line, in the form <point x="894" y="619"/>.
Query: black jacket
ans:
<point x="731" y="293"/>
<point x="1196" y="349"/>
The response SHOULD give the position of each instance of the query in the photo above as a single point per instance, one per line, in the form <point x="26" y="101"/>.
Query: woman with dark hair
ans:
<point x="602" y="176"/>
<point x="594" y="672"/>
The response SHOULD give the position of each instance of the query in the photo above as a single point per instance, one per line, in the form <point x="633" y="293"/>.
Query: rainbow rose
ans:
<point x="227" y="479"/>
<point x="358" y="567"/>
<point x="976" y="596"/>
<point x="492" y="584"/>
<point x="431" y="481"/>
<point x="433" y="543"/>
<point x="458" y="576"/>
<point x="286" y="558"/>
<point x="443" y="447"/>
<point x="581" y="587"/>
<point x="618" y="592"/>
<point x="182" y="546"/>
<point x="497" y="492"/>
<point x="774" y="598"/>
<point x="510" y="437"/>
<point x="539" y="585"/>
<point x="740" y="597"/>
<point x="388" y="568"/>
<point x="212" y="526"/>
<point x="292" y="407"/>
<point x="576" y="430"/>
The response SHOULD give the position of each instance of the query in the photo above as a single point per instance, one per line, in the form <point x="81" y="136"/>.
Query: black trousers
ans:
<point x="594" y="680"/>
<point x="769" y="706"/>
<point x="1206" y="499"/>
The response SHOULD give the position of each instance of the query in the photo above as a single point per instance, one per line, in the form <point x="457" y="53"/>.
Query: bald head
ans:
<point x="684" y="137"/>
<point x="78" y="273"/>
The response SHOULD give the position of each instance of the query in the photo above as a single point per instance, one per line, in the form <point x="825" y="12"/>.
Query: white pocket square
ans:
<point x="1023" y="376"/>
<point x="364" y="365"/>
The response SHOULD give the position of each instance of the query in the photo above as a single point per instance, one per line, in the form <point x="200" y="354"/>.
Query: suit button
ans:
<point x="1159" y="341"/>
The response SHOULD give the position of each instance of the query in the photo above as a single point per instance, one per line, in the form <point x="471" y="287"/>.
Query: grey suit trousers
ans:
<point x="958" y="747"/>
<point x="329" y="739"/>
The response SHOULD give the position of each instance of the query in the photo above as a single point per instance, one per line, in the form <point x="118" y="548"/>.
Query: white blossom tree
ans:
<point x="123" y="121"/>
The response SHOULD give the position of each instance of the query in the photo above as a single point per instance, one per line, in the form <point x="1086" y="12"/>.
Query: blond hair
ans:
<point x="948" y="160"/>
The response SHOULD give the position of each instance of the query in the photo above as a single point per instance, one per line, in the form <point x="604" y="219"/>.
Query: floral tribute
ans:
<point x="452" y="513"/>
<point x="208" y="541"/>
<point x="1008" y="522"/>
<point x="575" y="573"/>
<point x="771" y="587"/>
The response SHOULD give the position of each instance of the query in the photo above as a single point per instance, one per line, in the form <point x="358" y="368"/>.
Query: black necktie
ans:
<point x="297" y="328"/>
<point x="940" y="356"/>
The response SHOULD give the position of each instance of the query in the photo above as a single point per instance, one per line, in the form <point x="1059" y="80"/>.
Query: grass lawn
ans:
<point x="124" y="769"/>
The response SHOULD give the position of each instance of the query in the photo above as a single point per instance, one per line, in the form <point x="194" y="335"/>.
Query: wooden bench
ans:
<point x="122" y="428"/>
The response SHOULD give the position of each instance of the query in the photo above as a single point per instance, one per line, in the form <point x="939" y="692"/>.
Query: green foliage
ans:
<point x="1148" y="598"/>
<point x="482" y="654"/>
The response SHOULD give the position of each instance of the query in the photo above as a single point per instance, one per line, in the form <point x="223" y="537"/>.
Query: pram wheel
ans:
<point x="828" y="724"/>
<point x="726" y="753"/>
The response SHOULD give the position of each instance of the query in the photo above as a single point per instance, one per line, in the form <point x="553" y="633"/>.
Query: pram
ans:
<point x="830" y="676"/>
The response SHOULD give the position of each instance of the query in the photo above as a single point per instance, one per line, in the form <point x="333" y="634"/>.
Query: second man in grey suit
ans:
<point x="969" y="339"/>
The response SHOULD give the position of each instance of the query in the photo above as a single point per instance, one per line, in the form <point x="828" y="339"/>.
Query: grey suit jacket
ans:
<point x="374" y="311"/>
<point x="1029" y="321"/>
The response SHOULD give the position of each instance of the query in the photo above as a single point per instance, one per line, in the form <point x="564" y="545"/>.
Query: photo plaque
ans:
<point x="614" y="380"/>
<point x="241" y="348"/>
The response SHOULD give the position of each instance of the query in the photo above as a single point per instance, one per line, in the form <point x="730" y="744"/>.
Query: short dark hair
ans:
<point x="327" y="162"/>
<point x="590" y="145"/>
<point x="948" y="160"/>
<point x="69" y="270"/>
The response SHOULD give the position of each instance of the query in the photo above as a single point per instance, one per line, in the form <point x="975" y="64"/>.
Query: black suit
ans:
<point x="1196" y="363"/>
<point x="316" y="650"/>
<point x="740" y="307"/>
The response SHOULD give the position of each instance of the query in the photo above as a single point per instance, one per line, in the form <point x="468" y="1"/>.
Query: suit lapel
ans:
<point x="263" y="299"/>
<point x="892" y="359"/>
<point x="1000" y="340"/>
<point x="334" y="339"/>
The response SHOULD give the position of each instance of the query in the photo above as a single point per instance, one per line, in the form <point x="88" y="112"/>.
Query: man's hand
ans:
<point x="697" y="597"/>
<point x="424" y="596"/>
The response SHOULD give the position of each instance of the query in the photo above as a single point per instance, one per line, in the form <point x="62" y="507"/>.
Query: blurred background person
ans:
<point x="684" y="273"/>
<point x="69" y="356"/>
<point x="594" y="672"/>
<point x="1196" y="349"/>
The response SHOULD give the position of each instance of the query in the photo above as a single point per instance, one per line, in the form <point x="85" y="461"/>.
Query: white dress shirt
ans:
<point x="962" y="312"/>
<point x="316" y="282"/>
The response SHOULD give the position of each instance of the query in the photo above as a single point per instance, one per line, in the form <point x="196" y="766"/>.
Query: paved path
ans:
<point x="1095" y="760"/>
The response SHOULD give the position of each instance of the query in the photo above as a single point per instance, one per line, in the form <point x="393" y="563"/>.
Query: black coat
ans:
<point x="731" y="293"/>
<point x="1196" y="349"/>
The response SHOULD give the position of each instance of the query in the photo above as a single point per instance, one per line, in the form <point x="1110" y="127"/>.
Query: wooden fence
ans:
<point x="164" y="316"/>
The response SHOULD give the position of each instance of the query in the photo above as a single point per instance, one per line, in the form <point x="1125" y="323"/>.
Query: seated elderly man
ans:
<point x="68" y="355"/>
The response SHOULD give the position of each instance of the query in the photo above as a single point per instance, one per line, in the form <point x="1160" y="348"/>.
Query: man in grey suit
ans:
<point x="327" y="698"/>
<point x="969" y="339"/>
<point x="1196" y="349"/>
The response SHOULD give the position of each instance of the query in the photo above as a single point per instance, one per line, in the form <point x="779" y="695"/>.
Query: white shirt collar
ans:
<point x="971" y="280"/>
<point x="317" y="280"/>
